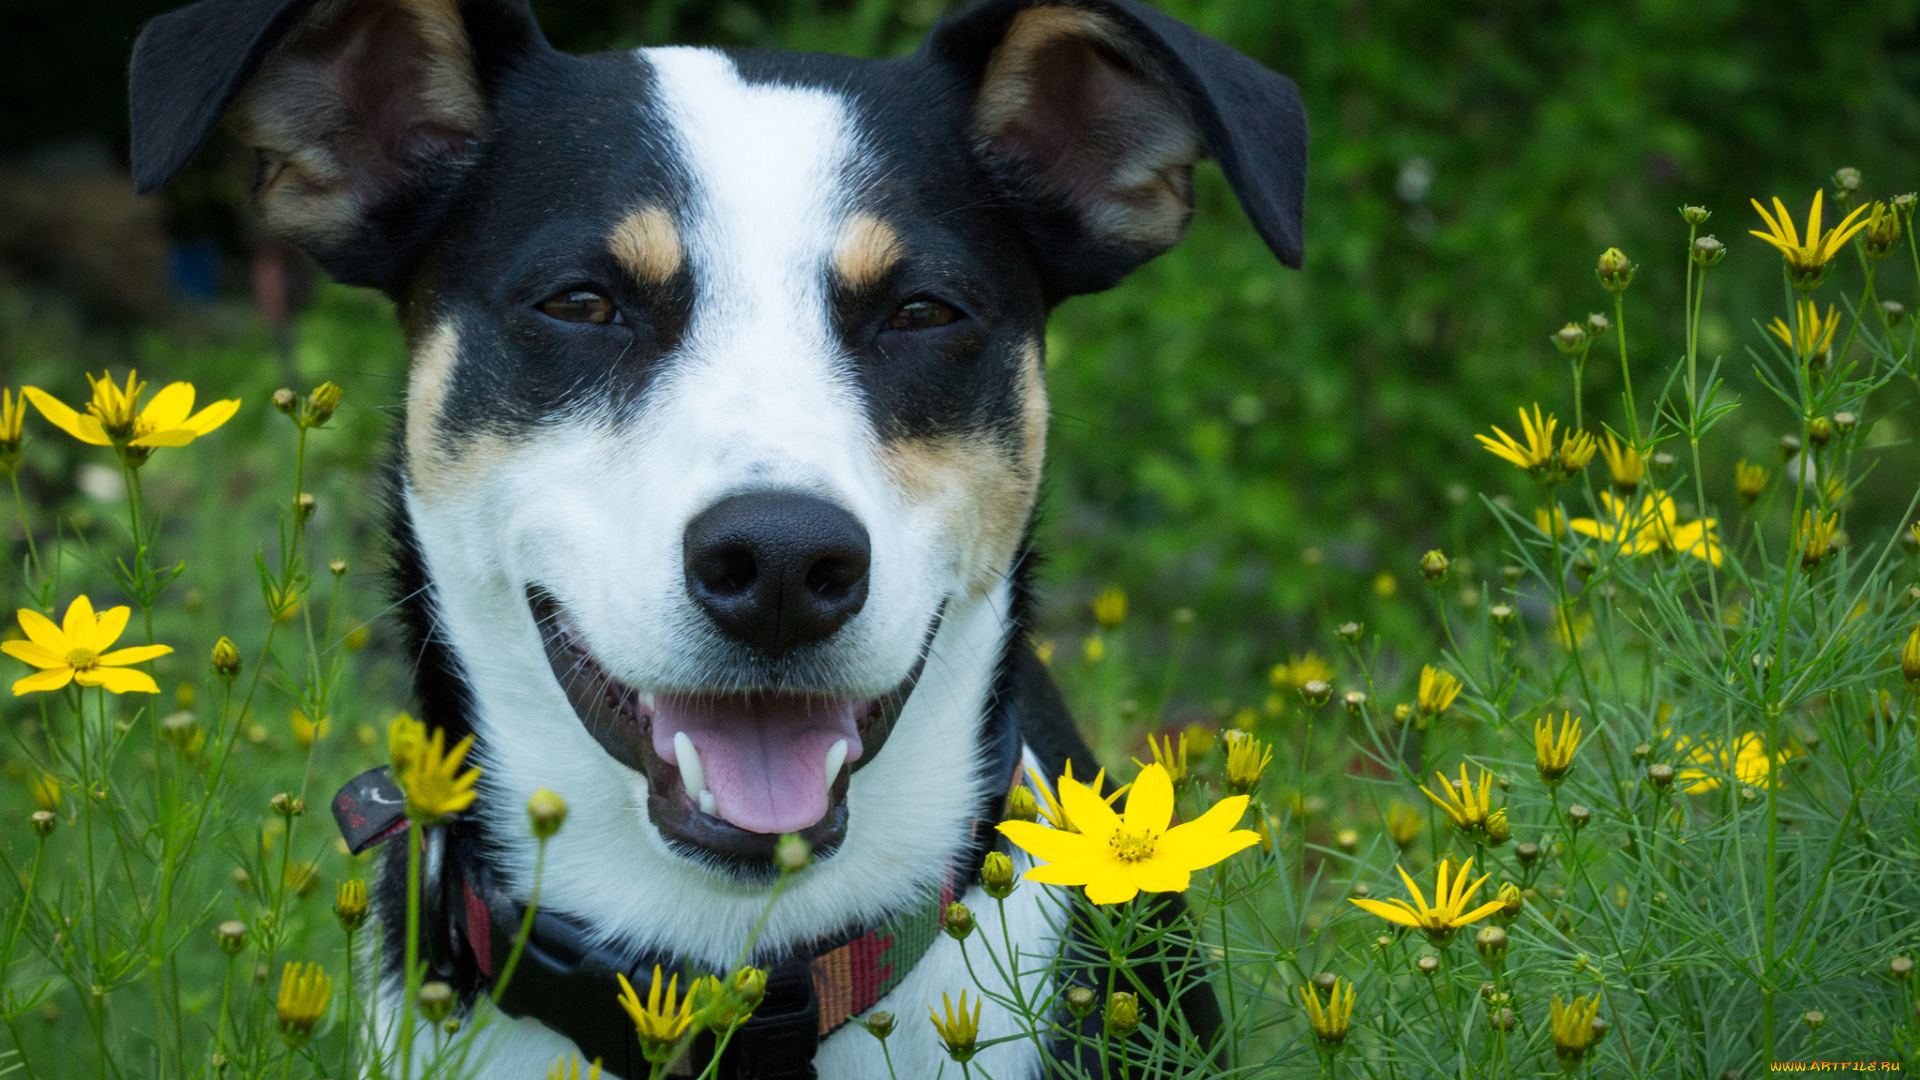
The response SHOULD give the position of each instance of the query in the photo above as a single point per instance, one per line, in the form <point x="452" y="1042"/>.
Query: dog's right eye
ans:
<point x="580" y="306"/>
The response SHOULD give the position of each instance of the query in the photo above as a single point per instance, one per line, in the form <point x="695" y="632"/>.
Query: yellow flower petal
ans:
<point x="79" y="425"/>
<point x="1392" y="911"/>
<point x="43" y="680"/>
<point x="1150" y="803"/>
<point x="138" y="654"/>
<point x="34" y="653"/>
<point x="1160" y="875"/>
<point x="1419" y="897"/>
<point x="42" y="631"/>
<point x="107" y="628"/>
<point x="1218" y="820"/>
<point x="170" y="437"/>
<point x="118" y="680"/>
<point x="1112" y="885"/>
<point x="1050" y="844"/>
<point x="212" y="416"/>
<point x="79" y="622"/>
<point x="1067" y="873"/>
<point x="1479" y="913"/>
<point x="169" y="407"/>
<point x="1201" y="852"/>
<point x="1087" y="810"/>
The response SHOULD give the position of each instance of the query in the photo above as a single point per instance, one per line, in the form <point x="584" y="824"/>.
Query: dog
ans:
<point x="716" y="482"/>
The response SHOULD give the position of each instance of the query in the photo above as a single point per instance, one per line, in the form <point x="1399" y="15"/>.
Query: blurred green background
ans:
<point x="1230" y="436"/>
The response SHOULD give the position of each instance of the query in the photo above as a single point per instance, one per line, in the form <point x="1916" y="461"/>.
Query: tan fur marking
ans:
<point x="648" y="243"/>
<point x="868" y="249"/>
<point x="980" y="488"/>
<point x="427" y="382"/>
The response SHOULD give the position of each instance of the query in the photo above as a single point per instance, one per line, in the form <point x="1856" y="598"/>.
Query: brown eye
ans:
<point x="579" y="306"/>
<point x="923" y="315"/>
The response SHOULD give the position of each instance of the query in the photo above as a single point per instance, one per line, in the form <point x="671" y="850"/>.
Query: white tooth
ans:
<point x="647" y="700"/>
<point x="707" y="804"/>
<point x="836" y="757"/>
<point x="692" y="776"/>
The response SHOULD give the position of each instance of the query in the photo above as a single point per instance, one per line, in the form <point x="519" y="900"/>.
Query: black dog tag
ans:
<point x="369" y="809"/>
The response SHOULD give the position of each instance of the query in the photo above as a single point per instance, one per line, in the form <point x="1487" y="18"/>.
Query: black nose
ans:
<point x="776" y="570"/>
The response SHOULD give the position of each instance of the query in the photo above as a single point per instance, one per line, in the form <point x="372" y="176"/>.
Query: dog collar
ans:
<point x="570" y="984"/>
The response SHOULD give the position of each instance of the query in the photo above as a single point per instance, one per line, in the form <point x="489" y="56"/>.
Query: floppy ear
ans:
<point x="365" y="114"/>
<point x="1091" y="113"/>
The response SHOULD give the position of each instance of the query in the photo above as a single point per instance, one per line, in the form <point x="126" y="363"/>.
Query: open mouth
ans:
<point x="728" y="772"/>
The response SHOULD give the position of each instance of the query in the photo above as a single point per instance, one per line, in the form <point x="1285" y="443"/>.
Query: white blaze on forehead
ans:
<point x="760" y="376"/>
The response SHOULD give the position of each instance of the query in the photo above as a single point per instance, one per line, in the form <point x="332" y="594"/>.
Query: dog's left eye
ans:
<point x="580" y="306"/>
<point x="923" y="313"/>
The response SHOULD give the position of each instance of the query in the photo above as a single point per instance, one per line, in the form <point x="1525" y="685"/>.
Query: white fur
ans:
<point x="593" y="508"/>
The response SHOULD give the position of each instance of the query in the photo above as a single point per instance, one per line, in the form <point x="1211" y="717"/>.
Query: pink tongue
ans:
<point x="764" y="756"/>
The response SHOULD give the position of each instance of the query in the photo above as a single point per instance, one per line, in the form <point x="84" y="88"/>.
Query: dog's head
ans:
<point x="727" y="405"/>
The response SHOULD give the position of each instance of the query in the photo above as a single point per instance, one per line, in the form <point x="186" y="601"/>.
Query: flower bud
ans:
<point x="1660" y="776"/>
<point x="546" y="812"/>
<point x="1894" y="311"/>
<point x="1021" y="805"/>
<point x="226" y="659"/>
<point x="1598" y="324"/>
<point x="285" y="401"/>
<point x="1570" y="339"/>
<point x="1901" y="967"/>
<point x="1600" y="1028"/>
<point x="1402" y="713"/>
<point x="1347" y="840"/>
<point x="42" y="823"/>
<point x="1502" y="1019"/>
<point x="1708" y="250"/>
<point x="1642" y="752"/>
<point x="350" y="904"/>
<point x="1813" y="1018"/>
<point x="287" y="806"/>
<point x="436" y="1001"/>
<point x="957" y="921"/>
<point x="1528" y="853"/>
<point x="879" y="1025"/>
<point x="337" y="567"/>
<point x="1433" y="566"/>
<point x="1905" y="203"/>
<point x="1123" y="1014"/>
<point x="792" y="854"/>
<point x="1578" y="816"/>
<point x="1615" y="270"/>
<point x="1497" y="830"/>
<point x="1819" y="432"/>
<point x="232" y="935"/>
<point x="1356" y="701"/>
<point x="1349" y="632"/>
<point x="1428" y="966"/>
<point x="1491" y="944"/>
<point x="1325" y="982"/>
<point x="1315" y="692"/>
<point x="749" y="986"/>
<point x="1501" y="614"/>
<point x="996" y="875"/>
<point x="1789" y="446"/>
<point x="304" y="505"/>
<point x="1080" y="1001"/>
<point x="1846" y="183"/>
<point x="321" y="404"/>
<point x="1695" y="215"/>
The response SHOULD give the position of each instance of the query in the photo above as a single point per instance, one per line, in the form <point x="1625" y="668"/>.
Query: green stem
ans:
<point x="1626" y="373"/>
<point x="411" y="983"/>
<point x="26" y="525"/>
<point x="526" y="923"/>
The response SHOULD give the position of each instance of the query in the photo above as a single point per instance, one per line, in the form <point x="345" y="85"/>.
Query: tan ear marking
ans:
<point x="647" y="242"/>
<point x="867" y="251"/>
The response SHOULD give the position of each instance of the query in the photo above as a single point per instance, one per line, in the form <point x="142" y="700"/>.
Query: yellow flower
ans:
<point x="1116" y="856"/>
<point x="1196" y="741"/>
<point x="1403" y="823"/>
<point x="1170" y="753"/>
<point x="1110" y="607"/>
<point x="1909" y="668"/>
<point x="1438" y="688"/>
<point x="1573" y="1028"/>
<point x="1094" y="649"/>
<point x="429" y="773"/>
<point x="1449" y="911"/>
<point x="1247" y="761"/>
<point x="1299" y="671"/>
<point x="662" y="1020"/>
<point x="1653" y="526"/>
<point x="1052" y="811"/>
<point x="1813" y="538"/>
<point x="1750" y="481"/>
<point x="1536" y="454"/>
<point x="1812" y="336"/>
<point x="1624" y="464"/>
<point x="45" y="790"/>
<point x="1468" y="807"/>
<point x="960" y="1032"/>
<point x="1882" y="231"/>
<point x="13" y="417"/>
<point x="1805" y="262"/>
<point x="1552" y="522"/>
<point x="1385" y="585"/>
<point x="74" y="652"/>
<point x="1331" y="1022"/>
<point x="350" y="904"/>
<point x="305" y="731"/>
<point x="1749" y="762"/>
<point x="304" y="991"/>
<point x="1553" y="754"/>
<point x="567" y="1067"/>
<point x="111" y="418"/>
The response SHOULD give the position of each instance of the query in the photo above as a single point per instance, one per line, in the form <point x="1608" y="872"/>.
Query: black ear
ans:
<point x="1091" y="114"/>
<point x="365" y="114"/>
